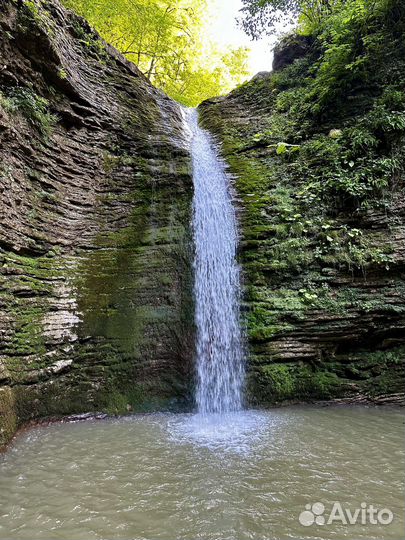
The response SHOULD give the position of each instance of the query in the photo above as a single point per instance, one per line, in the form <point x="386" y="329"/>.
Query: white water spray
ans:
<point x="220" y="358"/>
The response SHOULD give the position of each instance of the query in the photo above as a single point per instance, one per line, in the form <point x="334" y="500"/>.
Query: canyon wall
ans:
<point x="95" y="201"/>
<point x="96" y="309"/>
<point x="322" y="247"/>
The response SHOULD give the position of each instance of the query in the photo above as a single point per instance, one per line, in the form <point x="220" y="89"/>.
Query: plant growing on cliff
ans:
<point x="35" y="108"/>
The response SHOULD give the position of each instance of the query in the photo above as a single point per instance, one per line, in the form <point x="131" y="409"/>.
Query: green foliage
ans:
<point x="5" y="102"/>
<point x="62" y="74"/>
<point x="33" y="9"/>
<point x="355" y="163"/>
<point x="167" y="41"/>
<point x="35" y="108"/>
<point x="264" y="16"/>
<point x="35" y="16"/>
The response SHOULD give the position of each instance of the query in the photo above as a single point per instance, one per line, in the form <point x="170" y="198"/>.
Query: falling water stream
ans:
<point x="220" y="366"/>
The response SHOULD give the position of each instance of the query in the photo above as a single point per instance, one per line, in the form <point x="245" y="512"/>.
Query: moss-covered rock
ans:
<point x="95" y="203"/>
<point x="321" y="215"/>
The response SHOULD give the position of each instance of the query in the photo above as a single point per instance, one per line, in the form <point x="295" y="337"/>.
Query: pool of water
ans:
<point x="244" y="476"/>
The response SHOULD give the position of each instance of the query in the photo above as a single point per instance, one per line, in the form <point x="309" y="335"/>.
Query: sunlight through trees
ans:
<point x="168" y="41"/>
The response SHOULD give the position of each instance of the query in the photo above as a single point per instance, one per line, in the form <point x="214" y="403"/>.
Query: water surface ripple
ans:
<point x="243" y="476"/>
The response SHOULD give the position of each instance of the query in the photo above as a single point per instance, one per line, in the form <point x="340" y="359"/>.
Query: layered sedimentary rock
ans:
<point x="320" y="326"/>
<point x="95" y="192"/>
<point x="96" y="310"/>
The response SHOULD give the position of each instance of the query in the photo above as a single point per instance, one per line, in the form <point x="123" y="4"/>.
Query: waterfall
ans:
<point x="220" y="358"/>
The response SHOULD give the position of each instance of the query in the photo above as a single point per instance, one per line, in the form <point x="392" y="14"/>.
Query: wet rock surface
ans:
<point x="95" y="198"/>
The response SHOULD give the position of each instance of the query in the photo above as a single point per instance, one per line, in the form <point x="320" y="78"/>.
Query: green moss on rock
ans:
<point x="319" y="175"/>
<point x="274" y="383"/>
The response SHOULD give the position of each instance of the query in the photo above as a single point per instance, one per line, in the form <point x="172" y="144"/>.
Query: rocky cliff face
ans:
<point x="95" y="199"/>
<point x="95" y="196"/>
<point x="324" y="266"/>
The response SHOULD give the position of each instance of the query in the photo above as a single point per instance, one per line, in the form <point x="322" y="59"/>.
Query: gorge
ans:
<point x="96" y="238"/>
<point x="202" y="311"/>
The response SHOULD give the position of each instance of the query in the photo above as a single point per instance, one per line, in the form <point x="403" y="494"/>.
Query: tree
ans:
<point x="165" y="39"/>
<point x="262" y="16"/>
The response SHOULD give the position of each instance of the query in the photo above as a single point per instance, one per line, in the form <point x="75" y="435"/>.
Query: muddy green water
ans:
<point x="248" y="476"/>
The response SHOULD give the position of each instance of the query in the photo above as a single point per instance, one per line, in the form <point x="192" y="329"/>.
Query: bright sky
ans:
<point x="225" y="31"/>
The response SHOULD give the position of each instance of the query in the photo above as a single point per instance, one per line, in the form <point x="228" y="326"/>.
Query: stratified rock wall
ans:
<point x="95" y="196"/>
<point x="319" y="326"/>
